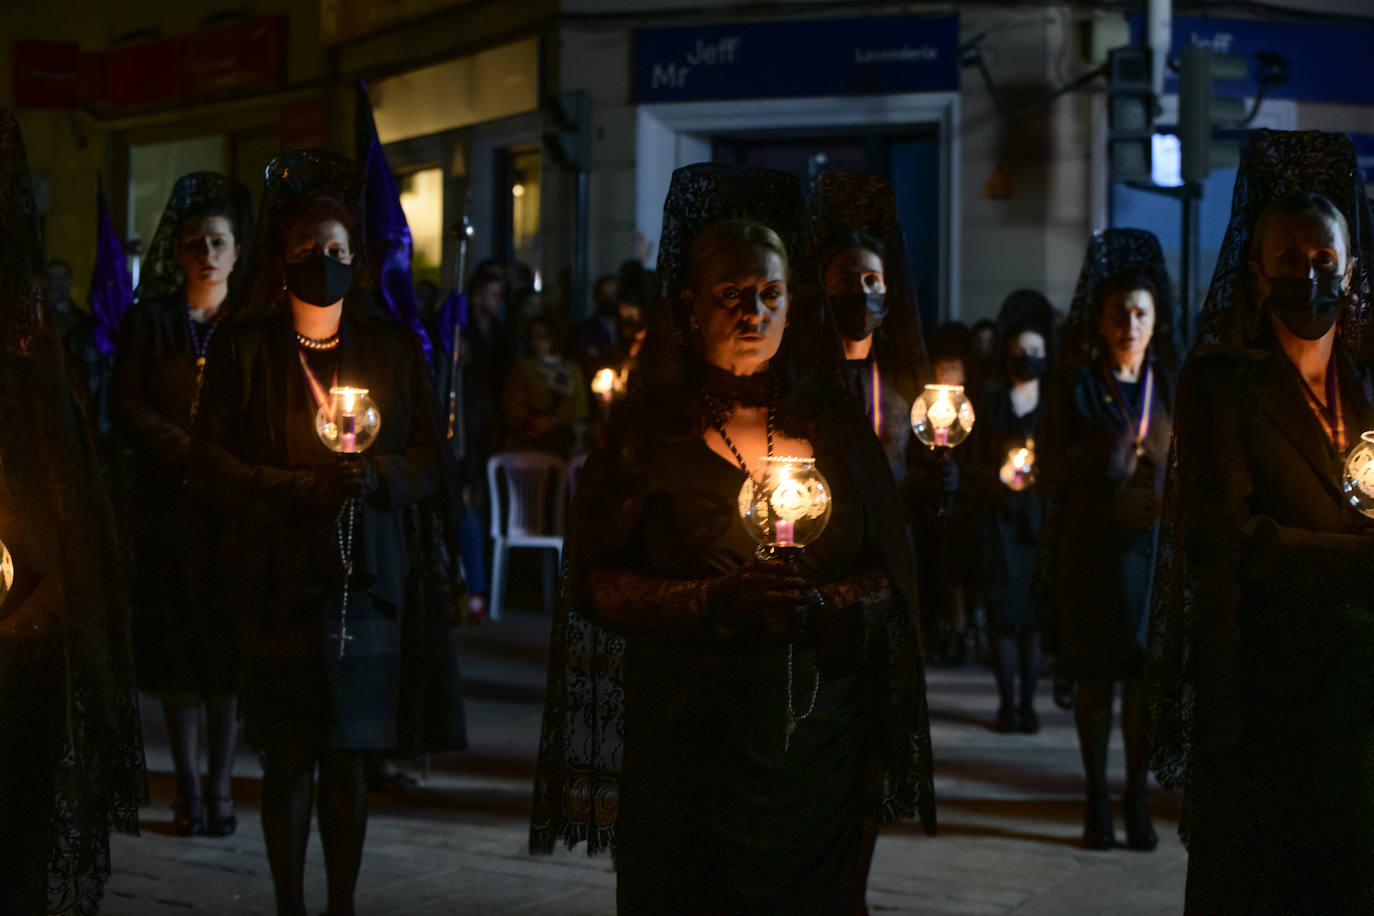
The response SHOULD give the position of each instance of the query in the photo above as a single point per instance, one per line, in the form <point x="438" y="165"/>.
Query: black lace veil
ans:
<point x="1110" y="252"/>
<point x="708" y="193"/>
<point x="196" y="192"/>
<point x="843" y="203"/>
<point x="50" y="485"/>
<point x="1272" y="163"/>
<point x="294" y="181"/>
<point x="576" y="793"/>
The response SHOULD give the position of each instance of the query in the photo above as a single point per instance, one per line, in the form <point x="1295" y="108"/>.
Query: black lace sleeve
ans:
<point x="577" y="779"/>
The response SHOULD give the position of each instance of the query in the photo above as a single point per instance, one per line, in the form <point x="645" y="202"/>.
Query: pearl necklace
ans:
<point x="323" y="343"/>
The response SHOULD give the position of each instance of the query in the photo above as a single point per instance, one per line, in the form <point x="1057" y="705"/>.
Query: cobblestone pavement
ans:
<point x="1009" y="806"/>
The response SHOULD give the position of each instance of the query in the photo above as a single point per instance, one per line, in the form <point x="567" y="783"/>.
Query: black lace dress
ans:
<point x="716" y="816"/>
<point x="719" y="817"/>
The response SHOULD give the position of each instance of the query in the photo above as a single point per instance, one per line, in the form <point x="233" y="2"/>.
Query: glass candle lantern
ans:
<point x="1018" y="470"/>
<point x="942" y="416"/>
<point x="788" y="506"/>
<point x="6" y="572"/>
<point x="1358" y="481"/>
<point x="349" y="421"/>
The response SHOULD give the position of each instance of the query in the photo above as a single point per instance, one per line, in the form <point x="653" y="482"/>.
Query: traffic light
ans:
<point x="1199" y="110"/>
<point x="1130" y="113"/>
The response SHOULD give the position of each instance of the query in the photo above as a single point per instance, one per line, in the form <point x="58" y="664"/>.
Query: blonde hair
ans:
<point x="733" y="233"/>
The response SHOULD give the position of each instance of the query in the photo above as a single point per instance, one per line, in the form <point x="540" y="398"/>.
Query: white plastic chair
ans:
<point x="528" y="495"/>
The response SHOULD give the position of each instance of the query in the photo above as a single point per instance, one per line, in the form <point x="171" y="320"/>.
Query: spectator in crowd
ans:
<point x="545" y="399"/>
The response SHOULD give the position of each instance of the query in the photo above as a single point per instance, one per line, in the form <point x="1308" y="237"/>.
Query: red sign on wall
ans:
<point x="49" y="74"/>
<point x="235" y="59"/>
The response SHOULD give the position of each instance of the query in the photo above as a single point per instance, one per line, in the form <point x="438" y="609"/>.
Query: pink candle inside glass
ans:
<point x="783" y="532"/>
<point x="348" y="432"/>
<point x="942" y="435"/>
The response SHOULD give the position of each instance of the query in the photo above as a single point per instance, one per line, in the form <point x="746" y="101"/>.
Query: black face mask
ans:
<point x="320" y="280"/>
<point x="1024" y="368"/>
<point x="858" y="315"/>
<point x="1308" y="308"/>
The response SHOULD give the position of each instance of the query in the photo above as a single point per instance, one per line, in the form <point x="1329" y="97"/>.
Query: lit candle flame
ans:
<point x="942" y="413"/>
<point x="350" y="397"/>
<point x="603" y="383"/>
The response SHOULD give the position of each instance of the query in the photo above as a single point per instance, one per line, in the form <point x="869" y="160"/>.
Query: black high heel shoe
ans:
<point x="222" y="826"/>
<point x="188" y="817"/>
<point x="1140" y="831"/>
<point x="1097" y="823"/>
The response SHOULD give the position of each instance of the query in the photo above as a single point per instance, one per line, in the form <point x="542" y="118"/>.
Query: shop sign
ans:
<point x="877" y="54"/>
<point x="241" y="57"/>
<point x="1328" y="63"/>
<point x="49" y="74"/>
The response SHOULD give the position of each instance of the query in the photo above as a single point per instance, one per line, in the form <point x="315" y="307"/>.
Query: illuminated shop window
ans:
<point x="422" y="199"/>
<point x="524" y="203"/>
<point x="153" y="169"/>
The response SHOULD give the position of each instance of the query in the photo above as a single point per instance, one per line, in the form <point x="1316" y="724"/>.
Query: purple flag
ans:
<point x="389" y="243"/>
<point x="452" y="312"/>
<point x="112" y="290"/>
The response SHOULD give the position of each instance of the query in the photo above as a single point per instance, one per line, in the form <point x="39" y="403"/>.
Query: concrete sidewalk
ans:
<point x="1010" y="817"/>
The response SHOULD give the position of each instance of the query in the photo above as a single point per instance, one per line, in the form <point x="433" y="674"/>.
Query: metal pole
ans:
<point x="1189" y="255"/>
<point x="579" y="290"/>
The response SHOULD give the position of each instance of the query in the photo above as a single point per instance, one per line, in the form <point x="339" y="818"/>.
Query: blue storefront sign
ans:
<point x="772" y="59"/>
<point x="1329" y="63"/>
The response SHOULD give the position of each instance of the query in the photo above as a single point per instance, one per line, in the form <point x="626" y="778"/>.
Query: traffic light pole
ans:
<point x="1190" y="307"/>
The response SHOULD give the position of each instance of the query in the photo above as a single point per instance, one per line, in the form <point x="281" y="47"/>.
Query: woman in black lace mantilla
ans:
<point x="183" y="633"/>
<point x="665" y="728"/>
<point x="1010" y="418"/>
<point x="71" y="762"/>
<point x="320" y="656"/>
<point x="1102" y="460"/>
<point x="1262" y="636"/>
<point x="871" y="293"/>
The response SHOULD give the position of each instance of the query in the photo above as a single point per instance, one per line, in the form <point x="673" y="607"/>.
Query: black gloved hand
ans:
<point x="363" y="479"/>
<point x="764" y="601"/>
<point x="325" y="487"/>
<point x="946" y="474"/>
<point x="320" y="488"/>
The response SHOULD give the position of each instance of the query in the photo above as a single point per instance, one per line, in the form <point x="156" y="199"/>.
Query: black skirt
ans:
<point x="182" y="629"/>
<point x="347" y="702"/>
